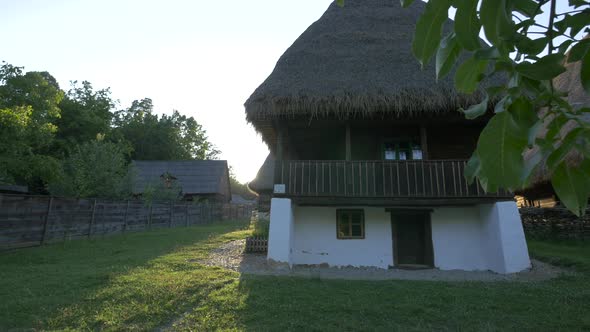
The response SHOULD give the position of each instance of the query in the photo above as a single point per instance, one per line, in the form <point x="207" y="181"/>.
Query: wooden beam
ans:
<point x="347" y="142"/>
<point x="279" y="155"/>
<point x="424" y="142"/>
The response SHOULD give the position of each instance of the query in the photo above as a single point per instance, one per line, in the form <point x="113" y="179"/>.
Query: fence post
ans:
<point x="45" y="228"/>
<point x="92" y="219"/>
<point x="149" y="221"/>
<point x="171" y="215"/>
<point x="125" y="217"/>
<point x="186" y="215"/>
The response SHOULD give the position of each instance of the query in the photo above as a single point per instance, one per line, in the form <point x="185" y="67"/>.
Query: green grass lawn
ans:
<point x="150" y="280"/>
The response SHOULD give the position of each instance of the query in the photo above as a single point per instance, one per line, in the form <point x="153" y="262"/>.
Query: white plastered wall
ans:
<point x="484" y="237"/>
<point x="280" y="237"/>
<point x="315" y="240"/>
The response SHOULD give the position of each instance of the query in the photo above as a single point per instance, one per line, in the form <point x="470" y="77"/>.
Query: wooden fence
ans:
<point x="256" y="244"/>
<point x="35" y="220"/>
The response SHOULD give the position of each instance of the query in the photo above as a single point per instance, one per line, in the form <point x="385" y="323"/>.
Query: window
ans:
<point x="401" y="150"/>
<point x="350" y="224"/>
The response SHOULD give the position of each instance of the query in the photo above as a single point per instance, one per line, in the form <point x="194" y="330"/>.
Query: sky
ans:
<point x="201" y="57"/>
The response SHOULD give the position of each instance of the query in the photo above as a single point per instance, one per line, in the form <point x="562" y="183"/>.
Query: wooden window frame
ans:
<point x="340" y="213"/>
<point x="410" y="141"/>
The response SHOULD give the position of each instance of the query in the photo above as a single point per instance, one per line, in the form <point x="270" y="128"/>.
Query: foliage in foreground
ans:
<point x="153" y="280"/>
<point x="530" y="54"/>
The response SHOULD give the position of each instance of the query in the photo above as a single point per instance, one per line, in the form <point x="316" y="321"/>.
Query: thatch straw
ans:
<point x="569" y="82"/>
<point x="356" y="61"/>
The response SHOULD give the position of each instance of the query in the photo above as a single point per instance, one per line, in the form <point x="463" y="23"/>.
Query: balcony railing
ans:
<point x="378" y="179"/>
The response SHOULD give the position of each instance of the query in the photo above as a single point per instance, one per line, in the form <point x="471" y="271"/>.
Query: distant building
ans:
<point x="13" y="189"/>
<point x="198" y="179"/>
<point x="239" y="200"/>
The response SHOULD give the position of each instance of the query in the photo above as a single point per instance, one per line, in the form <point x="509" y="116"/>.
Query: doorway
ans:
<point x="412" y="239"/>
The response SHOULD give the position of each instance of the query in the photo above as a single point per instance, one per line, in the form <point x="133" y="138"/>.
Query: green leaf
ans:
<point x="496" y="21"/>
<point x="500" y="149"/>
<point x="469" y="74"/>
<point x="477" y="110"/>
<point x="528" y="8"/>
<point x="572" y="186"/>
<point x="340" y="3"/>
<point x="472" y="168"/>
<point x="429" y="29"/>
<point x="575" y="22"/>
<point x="585" y="72"/>
<point x="564" y="46"/>
<point x="577" y="3"/>
<point x="531" y="46"/>
<point x="523" y="113"/>
<point x="567" y="144"/>
<point x="501" y="105"/>
<point x="545" y="68"/>
<point x="488" y="53"/>
<point x="447" y="55"/>
<point x="534" y="132"/>
<point x="530" y="165"/>
<point x="406" y="3"/>
<point x="467" y="24"/>
<point x="578" y="51"/>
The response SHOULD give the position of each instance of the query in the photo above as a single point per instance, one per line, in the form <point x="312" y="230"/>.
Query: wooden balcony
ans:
<point x="416" y="179"/>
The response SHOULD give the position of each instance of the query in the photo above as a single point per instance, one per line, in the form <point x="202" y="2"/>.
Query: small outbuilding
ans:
<point x="197" y="179"/>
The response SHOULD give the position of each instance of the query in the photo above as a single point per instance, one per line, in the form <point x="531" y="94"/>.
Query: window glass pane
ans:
<point x="357" y="230"/>
<point x="350" y="224"/>
<point x="416" y="152"/>
<point x="403" y="155"/>
<point x="343" y="227"/>
<point x="389" y="151"/>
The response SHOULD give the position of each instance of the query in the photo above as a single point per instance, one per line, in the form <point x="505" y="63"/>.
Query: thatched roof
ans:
<point x="196" y="177"/>
<point x="355" y="61"/>
<point x="569" y="82"/>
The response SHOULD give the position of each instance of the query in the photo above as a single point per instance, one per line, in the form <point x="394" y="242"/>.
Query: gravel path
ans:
<point x="231" y="256"/>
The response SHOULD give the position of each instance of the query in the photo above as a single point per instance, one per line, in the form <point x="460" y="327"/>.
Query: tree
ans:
<point x="28" y="111"/>
<point x="96" y="169"/>
<point x="530" y="114"/>
<point x="85" y="113"/>
<point x="153" y="137"/>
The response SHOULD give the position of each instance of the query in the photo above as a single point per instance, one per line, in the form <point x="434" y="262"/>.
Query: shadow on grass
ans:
<point x="155" y="281"/>
<point x="112" y="282"/>
<point x="285" y="303"/>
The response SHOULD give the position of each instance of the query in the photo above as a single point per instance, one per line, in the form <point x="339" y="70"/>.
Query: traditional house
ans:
<point x="370" y="152"/>
<point x="540" y="193"/>
<point x="198" y="180"/>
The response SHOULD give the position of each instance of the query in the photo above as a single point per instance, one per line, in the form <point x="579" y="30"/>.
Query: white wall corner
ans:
<point x="280" y="235"/>
<point x="506" y="245"/>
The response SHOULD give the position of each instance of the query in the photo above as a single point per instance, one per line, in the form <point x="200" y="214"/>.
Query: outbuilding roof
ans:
<point x="194" y="176"/>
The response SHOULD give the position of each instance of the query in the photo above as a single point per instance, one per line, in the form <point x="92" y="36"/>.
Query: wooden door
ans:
<point x="412" y="239"/>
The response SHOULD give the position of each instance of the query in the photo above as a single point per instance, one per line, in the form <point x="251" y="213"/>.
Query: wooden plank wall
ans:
<point x="33" y="220"/>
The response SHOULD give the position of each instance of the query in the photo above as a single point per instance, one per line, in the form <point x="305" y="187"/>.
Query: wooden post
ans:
<point x="92" y="219"/>
<point x="171" y="215"/>
<point x="280" y="142"/>
<point x="347" y="143"/>
<point x="46" y="221"/>
<point x="424" y="143"/>
<point x="186" y="215"/>
<point x="149" y="220"/>
<point x="125" y="217"/>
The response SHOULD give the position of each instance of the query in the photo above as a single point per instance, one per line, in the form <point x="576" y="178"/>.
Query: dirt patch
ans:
<point x="231" y="256"/>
